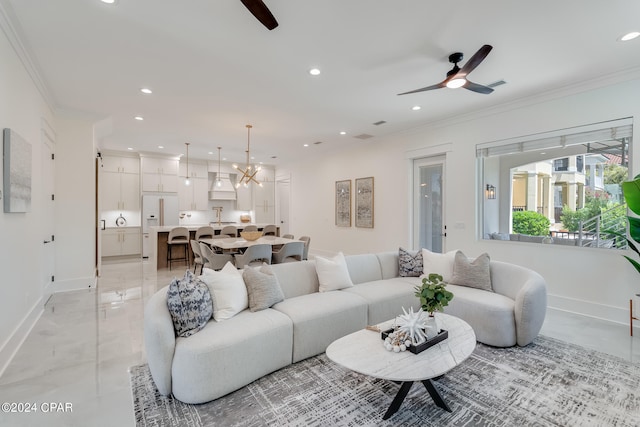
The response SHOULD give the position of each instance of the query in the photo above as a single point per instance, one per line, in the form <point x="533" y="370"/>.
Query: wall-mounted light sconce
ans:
<point x="491" y="191"/>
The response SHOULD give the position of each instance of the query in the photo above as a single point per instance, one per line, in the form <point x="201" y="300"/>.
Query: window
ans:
<point x="560" y="187"/>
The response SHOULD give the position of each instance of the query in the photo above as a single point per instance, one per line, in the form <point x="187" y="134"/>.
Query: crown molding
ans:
<point x="10" y="26"/>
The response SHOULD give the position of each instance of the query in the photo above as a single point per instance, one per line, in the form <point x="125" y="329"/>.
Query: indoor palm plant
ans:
<point x="631" y="192"/>
<point x="433" y="297"/>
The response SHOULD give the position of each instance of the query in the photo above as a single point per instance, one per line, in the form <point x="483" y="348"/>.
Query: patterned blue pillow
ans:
<point x="190" y="304"/>
<point x="409" y="264"/>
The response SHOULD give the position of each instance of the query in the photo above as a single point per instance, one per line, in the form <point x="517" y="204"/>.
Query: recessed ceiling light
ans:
<point x="416" y="107"/>
<point x="140" y="118"/>
<point x="630" y="36"/>
<point x="130" y="149"/>
<point x="146" y="90"/>
<point x="314" y="71"/>
<point x="210" y="152"/>
<point x="305" y="145"/>
<point x="161" y="146"/>
<point x="343" y="133"/>
<point x="108" y="1"/>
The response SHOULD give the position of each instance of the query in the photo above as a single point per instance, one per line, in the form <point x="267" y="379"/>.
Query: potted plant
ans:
<point x="631" y="192"/>
<point x="433" y="297"/>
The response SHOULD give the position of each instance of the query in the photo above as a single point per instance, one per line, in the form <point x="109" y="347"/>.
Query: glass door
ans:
<point x="428" y="206"/>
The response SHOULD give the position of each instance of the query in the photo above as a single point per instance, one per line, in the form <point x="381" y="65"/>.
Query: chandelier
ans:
<point x="249" y="172"/>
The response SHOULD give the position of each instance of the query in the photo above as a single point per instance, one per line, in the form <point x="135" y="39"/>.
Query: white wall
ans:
<point x="24" y="110"/>
<point x="75" y="203"/>
<point x="594" y="282"/>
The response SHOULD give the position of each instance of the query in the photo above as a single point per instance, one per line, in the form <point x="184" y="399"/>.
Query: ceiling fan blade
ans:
<point x="475" y="87"/>
<point x="261" y="12"/>
<point x="436" y="86"/>
<point x="475" y="60"/>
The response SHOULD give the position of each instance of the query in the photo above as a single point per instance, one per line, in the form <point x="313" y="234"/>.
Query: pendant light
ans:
<point x="187" y="181"/>
<point x="249" y="173"/>
<point x="218" y="178"/>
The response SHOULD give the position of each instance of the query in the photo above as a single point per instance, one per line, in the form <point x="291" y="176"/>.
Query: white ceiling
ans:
<point x="213" y="67"/>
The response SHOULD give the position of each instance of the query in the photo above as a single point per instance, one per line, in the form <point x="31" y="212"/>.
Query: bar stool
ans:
<point x="229" y="231"/>
<point x="270" y="230"/>
<point x="178" y="236"/>
<point x="205" y="232"/>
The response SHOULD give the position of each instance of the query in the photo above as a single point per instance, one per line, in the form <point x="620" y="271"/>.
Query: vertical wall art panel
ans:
<point x="343" y="203"/>
<point x="364" y="202"/>
<point x="17" y="172"/>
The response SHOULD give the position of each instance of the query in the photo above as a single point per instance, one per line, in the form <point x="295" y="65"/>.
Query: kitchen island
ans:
<point x="158" y="236"/>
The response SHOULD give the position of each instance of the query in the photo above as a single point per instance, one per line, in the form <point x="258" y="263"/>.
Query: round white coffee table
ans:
<point x="363" y="352"/>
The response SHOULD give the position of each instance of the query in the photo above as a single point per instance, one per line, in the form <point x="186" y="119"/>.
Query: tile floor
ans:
<point x="82" y="346"/>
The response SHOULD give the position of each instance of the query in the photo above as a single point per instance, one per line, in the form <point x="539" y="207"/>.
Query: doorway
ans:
<point x="283" y="194"/>
<point x="429" y="229"/>
<point x="48" y="218"/>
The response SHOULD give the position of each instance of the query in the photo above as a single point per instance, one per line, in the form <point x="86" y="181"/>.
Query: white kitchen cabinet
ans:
<point x="243" y="198"/>
<point x="159" y="175"/>
<point x="121" y="241"/>
<point x="120" y="164"/>
<point x="120" y="184"/>
<point x="193" y="197"/>
<point x="264" y="197"/>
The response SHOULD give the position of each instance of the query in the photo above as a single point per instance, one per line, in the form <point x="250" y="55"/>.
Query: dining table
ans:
<point x="238" y="243"/>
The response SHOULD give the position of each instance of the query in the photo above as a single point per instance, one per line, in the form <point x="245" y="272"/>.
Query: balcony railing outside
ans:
<point x="594" y="231"/>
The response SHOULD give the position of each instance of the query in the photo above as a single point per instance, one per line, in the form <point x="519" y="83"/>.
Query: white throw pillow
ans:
<point x="442" y="264"/>
<point x="333" y="273"/>
<point x="228" y="291"/>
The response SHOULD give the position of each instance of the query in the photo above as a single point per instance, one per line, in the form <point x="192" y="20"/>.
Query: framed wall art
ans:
<point x="16" y="172"/>
<point x="343" y="203"/>
<point x="364" y="202"/>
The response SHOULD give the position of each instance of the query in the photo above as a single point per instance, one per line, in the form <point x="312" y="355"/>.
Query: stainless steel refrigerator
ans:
<point x="157" y="210"/>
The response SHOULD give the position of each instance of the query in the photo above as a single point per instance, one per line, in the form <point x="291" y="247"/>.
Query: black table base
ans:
<point x="404" y="390"/>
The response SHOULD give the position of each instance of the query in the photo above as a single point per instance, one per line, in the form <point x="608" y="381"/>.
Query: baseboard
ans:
<point x="74" y="284"/>
<point x="12" y="345"/>
<point x="590" y="309"/>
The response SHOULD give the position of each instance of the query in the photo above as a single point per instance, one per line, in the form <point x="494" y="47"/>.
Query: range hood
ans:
<point x="225" y="192"/>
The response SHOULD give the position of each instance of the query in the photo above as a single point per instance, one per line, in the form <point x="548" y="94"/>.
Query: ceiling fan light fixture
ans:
<point x="456" y="83"/>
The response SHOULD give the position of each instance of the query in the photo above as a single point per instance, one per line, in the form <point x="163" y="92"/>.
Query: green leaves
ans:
<point x="433" y="295"/>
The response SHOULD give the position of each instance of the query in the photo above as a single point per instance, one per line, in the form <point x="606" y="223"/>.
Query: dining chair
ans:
<point x="292" y="251"/>
<point x="229" y="230"/>
<point x="307" y="241"/>
<point x="250" y="228"/>
<point x="197" y="256"/>
<point x="214" y="260"/>
<point x="205" y="232"/>
<point x="178" y="236"/>
<point x="253" y="253"/>
<point x="270" y="230"/>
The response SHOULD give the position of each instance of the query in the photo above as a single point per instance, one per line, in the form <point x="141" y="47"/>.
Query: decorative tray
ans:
<point x="415" y="349"/>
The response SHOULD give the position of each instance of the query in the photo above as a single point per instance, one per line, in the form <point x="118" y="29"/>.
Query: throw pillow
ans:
<point x="442" y="264"/>
<point x="228" y="291"/>
<point x="263" y="287"/>
<point x="474" y="274"/>
<point x="333" y="273"/>
<point x="409" y="264"/>
<point x="189" y="302"/>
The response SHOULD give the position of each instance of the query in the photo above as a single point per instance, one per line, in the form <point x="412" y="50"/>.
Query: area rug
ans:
<point x="547" y="383"/>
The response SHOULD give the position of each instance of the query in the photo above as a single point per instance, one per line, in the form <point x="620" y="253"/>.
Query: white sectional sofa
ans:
<point x="225" y="356"/>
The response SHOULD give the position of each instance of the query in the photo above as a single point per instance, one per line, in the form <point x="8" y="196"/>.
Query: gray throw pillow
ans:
<point x="189" y="302"/>
<point x="263" y="288"/>
<point x="474" y="274"/>
<point x="409" y="264"/>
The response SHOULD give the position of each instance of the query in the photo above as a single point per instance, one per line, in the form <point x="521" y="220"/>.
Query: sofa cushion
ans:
<point x="409" y="263"/>
<point x="189" y="302"/>
<point x="386" y="298"/>
<point x="442" y="264"/>
<point x="226" y="356"/>
<point x="321" y="318"/>
<point x="263" y="288"/>
<point x="363" y="268"/>
<point x="388" y="264"/>
<point x="490" y="314"/>
<point x="228" y="291"/>
<point x="474" y="274"/>
<point x="333" y="273"/>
